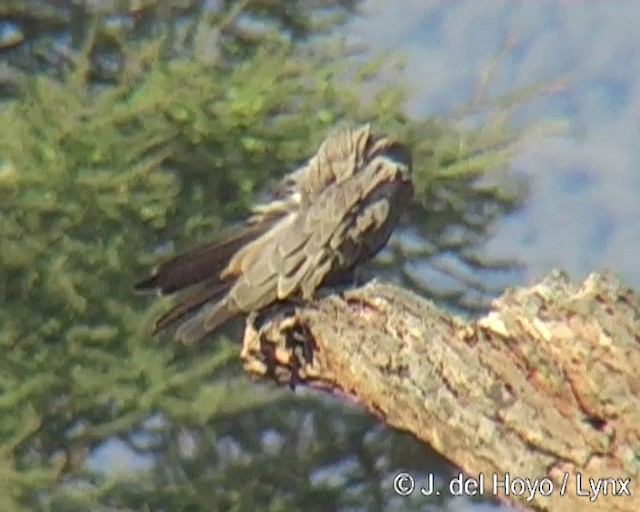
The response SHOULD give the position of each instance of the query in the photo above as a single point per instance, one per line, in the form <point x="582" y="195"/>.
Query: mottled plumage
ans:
<point x="334" y="213"/>
<point x="342" y="153"/>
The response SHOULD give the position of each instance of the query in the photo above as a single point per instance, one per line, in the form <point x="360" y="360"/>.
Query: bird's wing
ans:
<point x="348" y="222"/>
<point x="253" y="276"/>
<point x="192" y="301"/>
<point x="290" y="246"/>
<point x="365" y="207"/>
<point x="268" y="269"/>
<point x="298" y="253"/>
<point x="203" y="262"/>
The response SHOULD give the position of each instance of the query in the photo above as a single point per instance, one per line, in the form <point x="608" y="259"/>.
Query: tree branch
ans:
<point x="544" y="386"/>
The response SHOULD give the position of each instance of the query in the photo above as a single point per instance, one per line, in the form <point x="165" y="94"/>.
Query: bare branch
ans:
<point x="544" y="386"/>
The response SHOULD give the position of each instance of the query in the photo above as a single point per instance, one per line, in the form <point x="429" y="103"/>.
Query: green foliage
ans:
<point x="222" y="31"/>
<point x="94" y="178"/>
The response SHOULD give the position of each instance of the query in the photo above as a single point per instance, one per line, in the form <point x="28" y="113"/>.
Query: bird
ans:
<point x="321" y="221"/>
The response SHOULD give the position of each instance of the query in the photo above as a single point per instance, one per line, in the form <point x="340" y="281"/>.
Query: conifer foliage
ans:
<point x="132" y="128"/>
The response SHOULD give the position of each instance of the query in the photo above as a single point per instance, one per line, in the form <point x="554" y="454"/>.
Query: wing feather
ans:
<point x="190" y="303"/>
<point x="209" y="318"/>
<point x="199" y="264"/>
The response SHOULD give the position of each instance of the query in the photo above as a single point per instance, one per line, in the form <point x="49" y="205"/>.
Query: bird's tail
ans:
<point x="199" y="264"/>
<point x="192" y="301"/>
<point x="209" y="318"/>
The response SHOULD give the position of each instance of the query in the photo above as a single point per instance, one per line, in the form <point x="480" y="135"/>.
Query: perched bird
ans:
<point x="324" y="219"/>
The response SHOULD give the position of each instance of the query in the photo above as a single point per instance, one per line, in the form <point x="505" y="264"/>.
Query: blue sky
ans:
<point x="584" y="213"/>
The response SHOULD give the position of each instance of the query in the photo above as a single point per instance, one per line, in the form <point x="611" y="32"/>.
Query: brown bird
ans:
<point x="334" y="213"/>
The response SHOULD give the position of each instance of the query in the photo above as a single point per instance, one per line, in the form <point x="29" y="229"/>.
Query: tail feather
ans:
<point x="191" y="303"/>
<point x="198" y="264"/>
<point x="207" y="320"/>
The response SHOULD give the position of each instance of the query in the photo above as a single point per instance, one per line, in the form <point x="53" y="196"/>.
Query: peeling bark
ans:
<point x="546" y="385"/>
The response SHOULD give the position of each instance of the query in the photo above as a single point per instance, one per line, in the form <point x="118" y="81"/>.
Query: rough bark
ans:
<point x="545" y="386"/>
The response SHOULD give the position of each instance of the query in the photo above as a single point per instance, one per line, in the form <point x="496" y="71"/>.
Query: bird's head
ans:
<point x="398" y="156"/>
